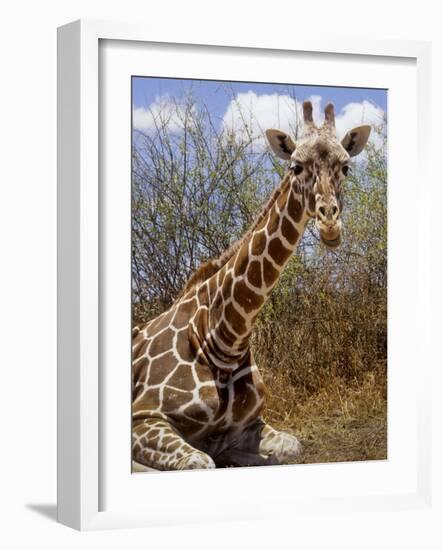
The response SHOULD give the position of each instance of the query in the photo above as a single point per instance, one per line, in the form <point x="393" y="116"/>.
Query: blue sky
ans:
<point x="266" y="105"/>
<point x="213" y="93"/>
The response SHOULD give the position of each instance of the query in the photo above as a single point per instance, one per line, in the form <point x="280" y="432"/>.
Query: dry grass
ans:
<point x="342" y="421"/>
<point x="323" y="355"/>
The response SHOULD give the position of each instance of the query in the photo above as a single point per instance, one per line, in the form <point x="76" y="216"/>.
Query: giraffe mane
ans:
<point x="212" y="266"/>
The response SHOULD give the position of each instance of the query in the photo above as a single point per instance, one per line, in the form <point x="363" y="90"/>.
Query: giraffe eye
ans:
<point x="345" y="169"/>
<point x="296" y="168"/>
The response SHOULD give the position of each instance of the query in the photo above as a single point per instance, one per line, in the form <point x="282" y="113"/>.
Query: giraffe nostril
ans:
<point x="321" y="211"/>
<point x="335" y="211"/>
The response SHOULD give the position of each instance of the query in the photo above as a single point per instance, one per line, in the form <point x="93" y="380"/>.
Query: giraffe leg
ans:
<point x="157" y="444"/>
<point x="282" y="446"/>
<point x="260" y="445"/>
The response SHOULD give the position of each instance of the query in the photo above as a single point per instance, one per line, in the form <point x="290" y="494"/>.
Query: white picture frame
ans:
<point x="79" y="295"/>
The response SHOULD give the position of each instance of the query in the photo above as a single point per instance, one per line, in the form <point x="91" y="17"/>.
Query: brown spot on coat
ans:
<point x="235" y="319"/>
<point x="203" y="372"/>
<point x="183" y="313"/>
<point x="217" y="303"/>
<point x="160" y="368"/>
<point x="183" y="346"/>
<point x="242" y="260"/>
<point x="227" y="286"/>
<point x="196" y="413"/>
<point x="282" y="201"/>
<point x="182" y="378"/>
<point x="173" y="399"/>
<point x="294" y="208"/>
<point x="161" y="343"/>
<point x="160" y="323"/>
<point x="289" y="231"/>
<point x="150" y="400"/>
<point x="201" y="322"/>
<point x="273" y="223"/>
<point x="153" y="442"/>
<point x="227" y="337"/>
<point x="213" y="287"/>
<point x="278" y="251"/>
<point x="173" y="446"/>
<point x="246" y="298"/>
<point x="270" y="273"/>
<point x="254" y="274"/>
<point x="258" y="243"/>
<point x="203" y="295"/>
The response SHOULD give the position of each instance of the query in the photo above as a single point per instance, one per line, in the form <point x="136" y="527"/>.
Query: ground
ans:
<point x="344" y="421"/>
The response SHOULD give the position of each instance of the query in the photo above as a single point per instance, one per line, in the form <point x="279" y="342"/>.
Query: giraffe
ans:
<point x="197" y="392"/>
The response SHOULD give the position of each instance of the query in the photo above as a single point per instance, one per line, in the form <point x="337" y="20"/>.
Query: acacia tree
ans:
<point x="198" y="188"/>
<point x="194" y="190"/>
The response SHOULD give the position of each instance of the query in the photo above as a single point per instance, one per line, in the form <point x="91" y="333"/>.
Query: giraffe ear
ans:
<point x="355" y="140"/>
<point x="281" y="143"/>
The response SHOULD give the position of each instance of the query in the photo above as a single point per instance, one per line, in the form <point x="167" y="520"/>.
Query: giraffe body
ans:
<point x="197" y="392"/>
<point x="214" y="410"/>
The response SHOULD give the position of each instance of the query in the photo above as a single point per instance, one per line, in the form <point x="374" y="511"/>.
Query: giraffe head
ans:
<point x="318" y="165"/>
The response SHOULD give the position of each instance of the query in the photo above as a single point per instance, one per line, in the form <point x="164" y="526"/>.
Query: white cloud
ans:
<point x="253" y="114"/>
<point x="163" y="112"/>
<point x="356" y="114"/>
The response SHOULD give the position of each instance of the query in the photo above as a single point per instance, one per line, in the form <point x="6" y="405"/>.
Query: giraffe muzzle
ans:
<point x="328" y="223"/>
<point x="331" y="243"/>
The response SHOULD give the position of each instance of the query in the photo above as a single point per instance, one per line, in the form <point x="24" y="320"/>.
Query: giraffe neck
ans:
<point x="240" y="289"/>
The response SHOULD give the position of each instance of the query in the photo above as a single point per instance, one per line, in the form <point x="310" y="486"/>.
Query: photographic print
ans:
<point x="259" y="274"/>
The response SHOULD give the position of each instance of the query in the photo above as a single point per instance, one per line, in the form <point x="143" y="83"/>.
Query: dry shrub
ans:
<point x="321" y="346"/>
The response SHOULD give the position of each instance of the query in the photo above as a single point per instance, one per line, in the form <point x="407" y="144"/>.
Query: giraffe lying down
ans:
<point x="197" y="392"/>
